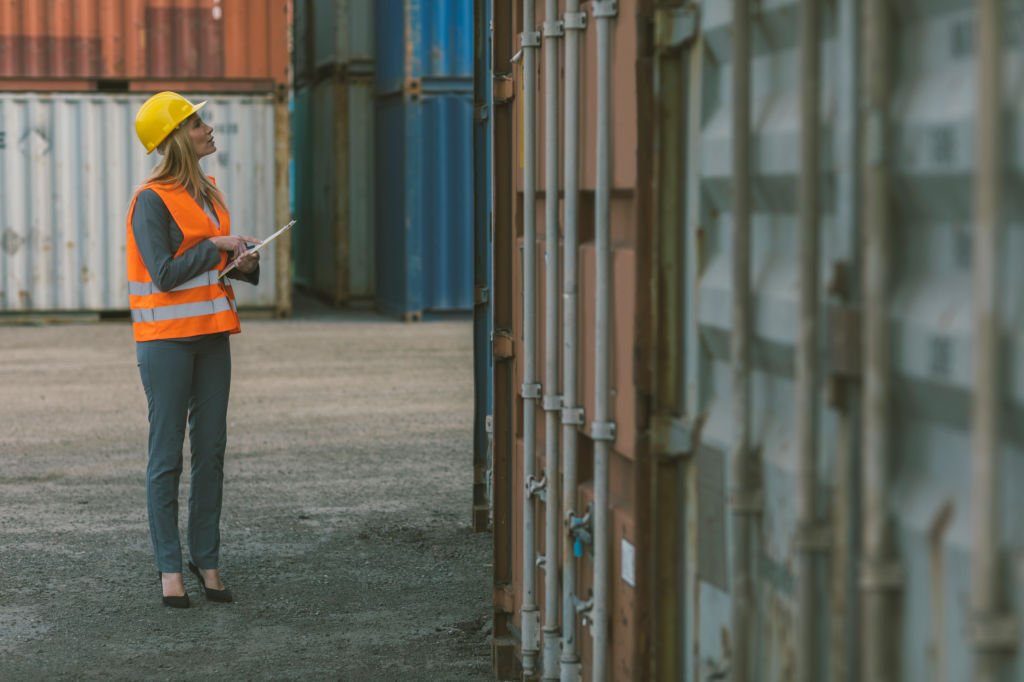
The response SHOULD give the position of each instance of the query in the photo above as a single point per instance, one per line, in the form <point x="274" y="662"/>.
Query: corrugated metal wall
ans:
<point x="674" y="491"/>
<point x="199" y="44"/>
<point x="333" y="126"/>
<point x="68" y="166"/>
<point x="424" y="162"/>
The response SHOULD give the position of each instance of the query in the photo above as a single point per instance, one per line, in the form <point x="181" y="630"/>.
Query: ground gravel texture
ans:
<point x="347" y="503"/>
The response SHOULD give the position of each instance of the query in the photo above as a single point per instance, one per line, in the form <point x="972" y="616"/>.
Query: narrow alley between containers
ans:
<point x="346" y="514"/>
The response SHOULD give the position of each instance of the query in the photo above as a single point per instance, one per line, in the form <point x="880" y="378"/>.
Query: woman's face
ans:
<point x="201" y="135"/>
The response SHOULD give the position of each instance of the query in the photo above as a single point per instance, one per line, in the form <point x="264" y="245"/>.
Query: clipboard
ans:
<point x="232" y="264"/>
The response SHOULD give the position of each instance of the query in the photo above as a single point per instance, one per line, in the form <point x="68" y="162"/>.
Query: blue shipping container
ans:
<point x="424" y="156"/>
<point x="439" y="36"/>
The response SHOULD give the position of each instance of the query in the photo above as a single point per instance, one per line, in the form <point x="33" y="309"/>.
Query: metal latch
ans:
<point x="672" y="436"/>
<point x="503" y="89"/>
<point x="675" y="26"/>
<point x="481" y="295"/>
<point x="501" y="344"/>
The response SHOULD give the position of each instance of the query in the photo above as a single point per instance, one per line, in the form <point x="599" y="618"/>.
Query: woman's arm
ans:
<point x="152" y="226"/>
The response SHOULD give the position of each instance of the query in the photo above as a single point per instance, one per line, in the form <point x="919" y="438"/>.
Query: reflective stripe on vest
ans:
<point x="183" y="310"/>
<point x="147" y="288"/>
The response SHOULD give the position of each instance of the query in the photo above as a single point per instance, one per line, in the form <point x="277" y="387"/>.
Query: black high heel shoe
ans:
<point x="223" y="596"/>
<point x="175" y="602"/>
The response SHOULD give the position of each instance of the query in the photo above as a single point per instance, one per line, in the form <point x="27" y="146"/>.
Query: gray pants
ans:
<point x="186" y="380"/>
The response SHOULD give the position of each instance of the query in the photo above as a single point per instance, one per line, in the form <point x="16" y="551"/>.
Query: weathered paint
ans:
<point x="68" y="166"/>
<point x="424" y="211"/>
<point x="424" y="45"/>
<point x="423" y="131"/>
<point x="332" y="36"/>
<point x="92" y="44"/>
<point x="672" y="229"/>
<point x="334" y="162"/>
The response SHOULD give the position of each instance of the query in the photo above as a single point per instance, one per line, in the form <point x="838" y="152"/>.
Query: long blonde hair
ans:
<point x="180" y="166"/>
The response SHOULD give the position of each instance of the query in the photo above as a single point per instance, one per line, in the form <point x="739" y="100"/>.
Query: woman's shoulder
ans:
<point x="149" y="202"/>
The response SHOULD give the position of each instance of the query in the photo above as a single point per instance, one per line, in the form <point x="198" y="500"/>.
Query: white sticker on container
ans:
<point x="628" y="563"/>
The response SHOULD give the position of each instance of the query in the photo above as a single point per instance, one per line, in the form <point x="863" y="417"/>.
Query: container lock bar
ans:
<point x="552" y="403"/>
<point x="530" y="391"/>
<point x="572" y="415"/>
<point x="575" y="21"/>
<point x="528" y="39"/>
<point x="605" y="9"/>
<point x="602" y="431"/>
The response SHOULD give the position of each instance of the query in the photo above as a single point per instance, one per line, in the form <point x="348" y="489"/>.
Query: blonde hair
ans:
<point x="180" y="166"/>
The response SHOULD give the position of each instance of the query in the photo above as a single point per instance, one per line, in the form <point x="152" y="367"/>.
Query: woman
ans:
<point x="179" y="239"/>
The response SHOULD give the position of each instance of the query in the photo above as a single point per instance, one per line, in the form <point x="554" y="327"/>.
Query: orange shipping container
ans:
<point x="144" y="44"/>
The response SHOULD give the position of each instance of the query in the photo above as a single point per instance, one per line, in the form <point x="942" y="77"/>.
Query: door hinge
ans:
<point x="675" y="27"/>
<point x="672" y="436"/>
<point x="501" y="345"/>
<point x="503" y="87"/>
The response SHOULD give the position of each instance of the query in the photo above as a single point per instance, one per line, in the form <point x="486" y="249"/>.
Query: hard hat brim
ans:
<point x="195" y="107"/>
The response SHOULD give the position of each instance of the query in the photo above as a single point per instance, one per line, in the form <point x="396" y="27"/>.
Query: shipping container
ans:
<point x="334" y="150"/>
<point x="142" y="45"/>
<point x="69" y="164"/>
<point x="424" y="160"/>
<point x="482" y="319"/>
<point x="332" y="37"/>
<point x="334" y="253"/>
<point x="803" y="233"/>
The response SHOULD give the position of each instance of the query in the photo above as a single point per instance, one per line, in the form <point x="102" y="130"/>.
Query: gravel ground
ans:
<point x="347" y="501"/>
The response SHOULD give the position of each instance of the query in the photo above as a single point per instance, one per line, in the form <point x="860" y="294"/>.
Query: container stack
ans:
<point x="333" y="149"/>
<point x="72" y="76"/>
<point x="424" y="156"/>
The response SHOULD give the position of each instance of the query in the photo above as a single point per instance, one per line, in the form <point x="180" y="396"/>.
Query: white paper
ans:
<point x="232" y="264"/>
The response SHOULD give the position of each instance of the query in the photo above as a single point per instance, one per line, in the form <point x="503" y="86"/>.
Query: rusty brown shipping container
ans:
<point x="627" y="460"/>
<point x="142" y="45"/>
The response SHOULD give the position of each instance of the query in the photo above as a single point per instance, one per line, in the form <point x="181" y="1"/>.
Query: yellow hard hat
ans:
<point x="160" y="115"/>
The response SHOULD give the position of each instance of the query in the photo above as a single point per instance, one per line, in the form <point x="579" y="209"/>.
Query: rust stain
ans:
<point x="11" y="241"/>
<point x="70" y="244"/>
<point x="85" y="274"/>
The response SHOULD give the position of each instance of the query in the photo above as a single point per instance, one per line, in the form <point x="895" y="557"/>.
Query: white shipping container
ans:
<point x="69" y="164"/>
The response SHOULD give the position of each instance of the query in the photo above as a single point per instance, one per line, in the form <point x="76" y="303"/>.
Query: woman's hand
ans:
<point x="248" y="262"/>
<point x="233" y="242"/>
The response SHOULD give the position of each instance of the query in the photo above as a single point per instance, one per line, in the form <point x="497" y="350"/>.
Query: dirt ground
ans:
<point x="345" y="532"/>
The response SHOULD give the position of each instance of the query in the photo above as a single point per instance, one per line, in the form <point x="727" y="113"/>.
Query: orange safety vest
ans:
<point x="203" y="304"/>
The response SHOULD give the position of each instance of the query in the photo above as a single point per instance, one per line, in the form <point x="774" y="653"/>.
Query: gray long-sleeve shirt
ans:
<point x="158" y="238"/>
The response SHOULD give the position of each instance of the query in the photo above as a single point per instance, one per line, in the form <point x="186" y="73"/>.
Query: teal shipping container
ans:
<point x="332" y="122"/>
<point x="424" y="156"/>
